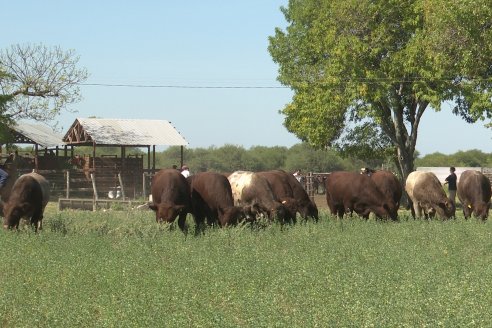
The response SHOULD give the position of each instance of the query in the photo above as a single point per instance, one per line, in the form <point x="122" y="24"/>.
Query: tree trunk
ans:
<point x="405" y="163"/>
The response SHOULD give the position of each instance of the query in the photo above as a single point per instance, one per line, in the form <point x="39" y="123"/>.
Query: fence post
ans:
<point x="68" y="184"/>
<point x="122" y="187"/>
<point x="309" y="186"/>
<point x="144" y="189"/>
<point x="93" y="179"/>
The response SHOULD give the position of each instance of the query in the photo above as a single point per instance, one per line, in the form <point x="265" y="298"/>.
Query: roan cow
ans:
<point x="253" y="192"/>
<point x="170" y="197"/>
<point x="427" y="195"/>
<point x="211" y="198"/>
<point x="347" y="192"/>
<point x="474" y="194"/>
<point x="28" y="198"/>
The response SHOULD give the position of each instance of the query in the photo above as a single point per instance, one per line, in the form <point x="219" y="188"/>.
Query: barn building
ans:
<point x="125" y="174"/>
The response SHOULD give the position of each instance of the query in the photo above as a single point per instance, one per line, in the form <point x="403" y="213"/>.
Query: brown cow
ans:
<point x="307" y="207"/>
<point x="282" y="192"/>
<point x="211" y="198"/>
<point x="253" y="191"/>
<point x="474" y="194"/>
<point x="287" y="189"/>
<point x="28" y="199"/>
<point x="170" y="197"/>
<point x="349" y="191"/>
<point x="388" y="183"/>
<point x="426" y="194"/>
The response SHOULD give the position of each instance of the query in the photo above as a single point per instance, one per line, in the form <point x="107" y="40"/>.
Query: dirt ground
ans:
<point x="320" y="201"/>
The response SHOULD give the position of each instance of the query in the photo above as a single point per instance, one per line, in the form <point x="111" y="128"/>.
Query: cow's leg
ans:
<point x="417" y="210"/>
<point x="410" y="205"/>
<point x="182" y="222"/>
<point x="36" y="219"/>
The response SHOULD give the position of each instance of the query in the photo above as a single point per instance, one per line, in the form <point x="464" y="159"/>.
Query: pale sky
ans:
<point x="214" y="43"/>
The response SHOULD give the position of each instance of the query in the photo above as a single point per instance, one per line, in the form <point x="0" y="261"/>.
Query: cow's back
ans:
<point x="389" y="185"/>
<point x="278" y="183"/>
<point x="44" y="184"/>
<point x="214" y="189"/>
<point x="423" y="186"/>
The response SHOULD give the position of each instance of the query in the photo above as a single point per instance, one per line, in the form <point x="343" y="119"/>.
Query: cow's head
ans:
<point x="251" y="212"/>
<point x="279" y="211"/>
<point x="392" y="210"/>
<point x="446" y="208"/>
<point x="232" y="215"/>
<point x="13" y="214"/>
<point x="481" y="210"/>
<point x="166" y="212"/>
<point x="291" y="206"/>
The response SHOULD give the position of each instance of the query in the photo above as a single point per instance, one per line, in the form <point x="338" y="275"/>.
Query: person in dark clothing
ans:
<point x="3" y="178"/>
<point x="451" y="182"/>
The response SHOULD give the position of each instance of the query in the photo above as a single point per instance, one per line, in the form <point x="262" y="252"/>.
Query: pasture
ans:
<point x="121" y="269"/>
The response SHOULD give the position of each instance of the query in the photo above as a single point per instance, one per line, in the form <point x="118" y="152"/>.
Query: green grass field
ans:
<point x="121" y="269"/>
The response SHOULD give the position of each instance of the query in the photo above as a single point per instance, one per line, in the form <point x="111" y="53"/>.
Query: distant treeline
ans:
<point x="229" y="158"/>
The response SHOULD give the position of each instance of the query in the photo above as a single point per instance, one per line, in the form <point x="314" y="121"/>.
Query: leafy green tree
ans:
<point x="434" y="160"/>
<point x="469" y="158"/>
<point x="267" y="158"/>
<point x="382" y="63"/>
<point x="307" y="158"/>
<point x="38" y="82"/>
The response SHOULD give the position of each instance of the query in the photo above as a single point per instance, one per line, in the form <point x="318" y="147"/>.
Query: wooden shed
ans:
<point x="41" y="137"/>
<point x="121" y="175"/>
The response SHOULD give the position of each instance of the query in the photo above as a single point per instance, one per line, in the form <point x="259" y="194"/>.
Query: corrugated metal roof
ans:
<point x="37" y="134"/>
<point x="129" y="132"/>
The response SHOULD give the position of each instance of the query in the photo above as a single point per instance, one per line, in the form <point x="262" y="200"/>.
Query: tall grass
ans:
<point x="119" y="268"/>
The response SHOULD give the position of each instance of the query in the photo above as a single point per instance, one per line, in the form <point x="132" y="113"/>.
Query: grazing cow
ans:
<point x="28" y="198"/>
<point x="474" y="194"/>
<point x="170" y="197"/>
<point x="349" y="191"/>
<point x="253" y="191"/>
<point x="388" y="183"/>
<point x="426" y="194"/>
<point x="211" y="197"/>
<point x="282" y="191"/>
<point x="305" y="206"/>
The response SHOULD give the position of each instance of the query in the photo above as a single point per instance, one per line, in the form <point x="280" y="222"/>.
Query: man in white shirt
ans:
<point x="185" y="171"/>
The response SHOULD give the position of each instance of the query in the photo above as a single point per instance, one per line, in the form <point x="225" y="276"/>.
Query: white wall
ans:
<point x="443" y="172"/>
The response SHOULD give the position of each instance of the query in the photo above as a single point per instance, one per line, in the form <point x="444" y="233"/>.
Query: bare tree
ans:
<point x="39" y="81"/>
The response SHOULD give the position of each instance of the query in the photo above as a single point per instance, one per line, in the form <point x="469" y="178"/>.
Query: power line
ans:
<point x="361" y="80"/>
<point x="181" y="86"/>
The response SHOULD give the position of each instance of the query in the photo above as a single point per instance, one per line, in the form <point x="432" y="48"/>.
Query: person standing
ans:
<point x="185" y="171"/>
<point x="451" y="182"/>
<point x="3" y="178"/>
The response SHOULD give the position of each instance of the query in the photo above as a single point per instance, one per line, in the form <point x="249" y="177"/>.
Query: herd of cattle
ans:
<point x="214" y="198"/>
